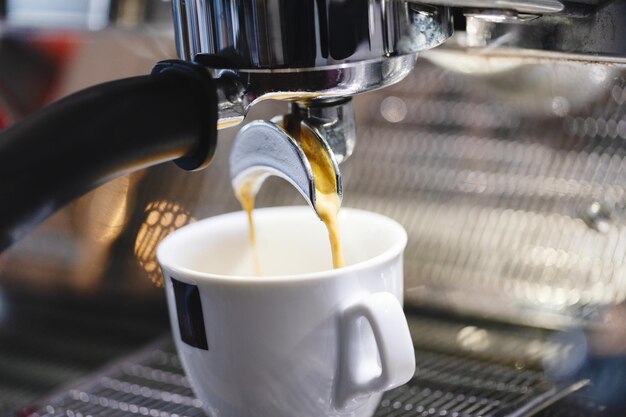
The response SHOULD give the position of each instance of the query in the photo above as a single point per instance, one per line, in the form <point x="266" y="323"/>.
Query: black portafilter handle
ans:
<point x="97" y="134"/>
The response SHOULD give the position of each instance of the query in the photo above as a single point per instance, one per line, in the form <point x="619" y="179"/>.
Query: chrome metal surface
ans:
<point x="246" y="88"/>
<point x="264" y="35"/>
<point x="262" y="149"/>
<point x="522" y="6"/>
<point x="334" y="120"/>
<point x="597" y="35"/>
<point x="231" y="109"/>
<point x="272" y="34"/>
<point x="496" y="16"/>
<point x="181" y="30"/>
<point x="419" y="27"/>
<point x="450" y="379"/>
<point x="303" y="50"/>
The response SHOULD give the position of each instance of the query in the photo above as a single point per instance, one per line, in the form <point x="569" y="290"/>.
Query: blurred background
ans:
<point x="507" y="172"/>
<point x="65" y="308"/>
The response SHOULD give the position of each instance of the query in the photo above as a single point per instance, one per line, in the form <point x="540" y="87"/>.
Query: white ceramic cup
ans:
<point x="302" y="339"/>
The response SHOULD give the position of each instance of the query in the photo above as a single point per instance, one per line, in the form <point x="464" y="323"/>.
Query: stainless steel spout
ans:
<point x="263" y="149"/>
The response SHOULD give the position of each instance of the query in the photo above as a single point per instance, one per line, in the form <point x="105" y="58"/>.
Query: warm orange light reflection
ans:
<point x="102" y="215"/>
<point x="161" y="219"/>
<point x="99" y="219"/>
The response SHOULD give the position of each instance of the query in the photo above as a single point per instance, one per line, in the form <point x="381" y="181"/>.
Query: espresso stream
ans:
<point x="245" y="195"/>
<point x="327" y="202"/>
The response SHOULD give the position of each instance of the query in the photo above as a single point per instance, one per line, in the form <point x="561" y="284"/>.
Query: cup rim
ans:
<point x="165" y="261"/>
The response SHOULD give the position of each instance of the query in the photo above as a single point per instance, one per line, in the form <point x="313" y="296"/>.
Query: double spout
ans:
<point x="303" y="147"/>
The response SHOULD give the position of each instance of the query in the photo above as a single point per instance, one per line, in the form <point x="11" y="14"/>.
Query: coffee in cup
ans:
<point x="302" y="339"/>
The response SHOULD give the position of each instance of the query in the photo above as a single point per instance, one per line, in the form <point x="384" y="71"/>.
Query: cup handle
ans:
<point x="362" y="371"/>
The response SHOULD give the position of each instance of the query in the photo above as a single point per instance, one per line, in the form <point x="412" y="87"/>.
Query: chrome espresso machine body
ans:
<point x="494" y="131"/>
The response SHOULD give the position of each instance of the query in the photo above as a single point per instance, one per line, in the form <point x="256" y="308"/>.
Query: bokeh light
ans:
<point x="161" y="219"/>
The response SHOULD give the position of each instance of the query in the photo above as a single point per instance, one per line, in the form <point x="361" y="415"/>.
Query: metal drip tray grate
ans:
<point x="452" y="379"/>
<point x="151" y="383"/>
<point x="445" y="384"/>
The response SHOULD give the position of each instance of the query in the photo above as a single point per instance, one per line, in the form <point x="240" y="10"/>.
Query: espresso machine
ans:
<point x="493" y="131"/>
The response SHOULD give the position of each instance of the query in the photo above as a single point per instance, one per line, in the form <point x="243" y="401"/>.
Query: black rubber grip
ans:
<point x="100" y="133"/>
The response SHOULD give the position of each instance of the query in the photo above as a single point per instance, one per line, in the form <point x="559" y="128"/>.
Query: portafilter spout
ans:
<point x="296" y="147"/>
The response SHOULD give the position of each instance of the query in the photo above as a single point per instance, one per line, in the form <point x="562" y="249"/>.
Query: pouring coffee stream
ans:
<point x="289" y="148"/>
<point x="246" y="197"/>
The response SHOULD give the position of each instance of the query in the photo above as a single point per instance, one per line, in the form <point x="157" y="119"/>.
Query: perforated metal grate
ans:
<point x="151" y="383"/>
<point x="512" y="196"/>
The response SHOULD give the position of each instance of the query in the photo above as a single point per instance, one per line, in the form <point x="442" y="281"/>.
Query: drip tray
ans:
<point x="463" y="370"/>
